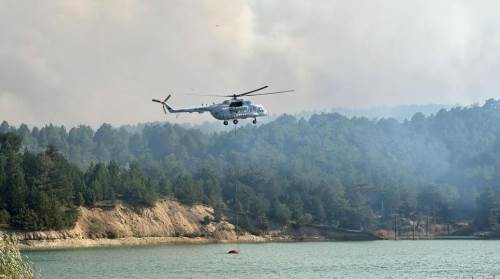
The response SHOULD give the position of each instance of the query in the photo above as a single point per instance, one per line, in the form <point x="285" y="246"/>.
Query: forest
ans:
<point x="327" y="169"/>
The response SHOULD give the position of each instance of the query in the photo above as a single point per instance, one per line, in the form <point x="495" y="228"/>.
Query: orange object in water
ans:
<point x="233" y="251"/>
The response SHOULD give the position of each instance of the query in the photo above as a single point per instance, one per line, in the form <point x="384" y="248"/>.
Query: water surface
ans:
<point x="371" y="259"/>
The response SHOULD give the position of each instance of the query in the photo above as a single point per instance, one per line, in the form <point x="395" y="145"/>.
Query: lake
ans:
<point x="371" y="259"/>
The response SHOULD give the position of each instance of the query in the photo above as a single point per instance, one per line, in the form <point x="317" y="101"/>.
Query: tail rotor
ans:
<point x="163" y="103"/>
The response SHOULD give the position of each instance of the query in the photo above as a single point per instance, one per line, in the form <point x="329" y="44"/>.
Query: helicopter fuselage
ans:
<point x="236" y="109"/>
<point x="232" y="109"/>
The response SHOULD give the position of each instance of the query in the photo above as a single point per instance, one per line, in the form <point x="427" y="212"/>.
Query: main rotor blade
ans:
<point x="231" y="95"/>
<point x="271" y="93"/>
<point x="210" y="95"/>
<point x="158" y="101"/>
<point x="164" y="108"/>
<point x="246" y="93"/>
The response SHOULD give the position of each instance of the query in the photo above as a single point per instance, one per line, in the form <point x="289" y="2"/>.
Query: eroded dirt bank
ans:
<point x="167" y="222"/>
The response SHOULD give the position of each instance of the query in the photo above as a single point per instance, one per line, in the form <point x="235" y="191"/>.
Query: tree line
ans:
<point x="352" y="173"/>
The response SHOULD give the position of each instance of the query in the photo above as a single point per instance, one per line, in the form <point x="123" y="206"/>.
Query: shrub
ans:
<point x="206" y="220"/>
<point x="4" y="217"/>
<point x="12" y="264"/>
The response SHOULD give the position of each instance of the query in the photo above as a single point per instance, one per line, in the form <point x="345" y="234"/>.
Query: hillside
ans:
<point x="348" y="173"/>
<point x="166" y="222"/>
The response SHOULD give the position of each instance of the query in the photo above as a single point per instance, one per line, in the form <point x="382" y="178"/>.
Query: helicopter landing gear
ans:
<point x="254" y="121"/>
<point x="235" y="121"/>
<point x="225" y="122"/>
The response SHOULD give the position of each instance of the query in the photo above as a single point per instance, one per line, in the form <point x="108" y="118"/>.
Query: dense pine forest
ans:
<point x="350" y="173"/>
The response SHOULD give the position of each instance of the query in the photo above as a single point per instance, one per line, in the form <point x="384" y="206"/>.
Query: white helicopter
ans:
<point x="232" y="109"/>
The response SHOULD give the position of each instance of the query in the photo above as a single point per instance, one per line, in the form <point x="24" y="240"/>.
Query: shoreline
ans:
<point x="77" y="243"/>
<point x="63" y="244"/>
<point x="56" y="244"/>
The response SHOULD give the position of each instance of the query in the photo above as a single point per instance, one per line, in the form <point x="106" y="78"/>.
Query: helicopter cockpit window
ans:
<point x="236" y="104"/>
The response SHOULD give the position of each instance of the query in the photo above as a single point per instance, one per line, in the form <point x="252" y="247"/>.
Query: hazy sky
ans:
<point x="72" y="62"/>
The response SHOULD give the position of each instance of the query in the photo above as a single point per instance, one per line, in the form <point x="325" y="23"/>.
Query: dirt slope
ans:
<point x="167" y="222"/>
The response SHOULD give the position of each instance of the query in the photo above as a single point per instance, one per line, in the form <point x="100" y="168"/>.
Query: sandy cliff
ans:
<point x="167" y="222"/>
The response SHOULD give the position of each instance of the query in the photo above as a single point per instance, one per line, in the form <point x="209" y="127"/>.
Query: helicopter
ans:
<point x="231" y="109"/>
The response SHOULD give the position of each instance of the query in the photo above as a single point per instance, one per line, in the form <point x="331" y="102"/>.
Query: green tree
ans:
<point x="280" y="212"/>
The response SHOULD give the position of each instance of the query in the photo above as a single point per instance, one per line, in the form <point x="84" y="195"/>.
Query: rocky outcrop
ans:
<point x="167" y="222"/>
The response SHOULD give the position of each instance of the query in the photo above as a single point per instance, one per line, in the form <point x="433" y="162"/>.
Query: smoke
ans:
<point x="72" y="62"/>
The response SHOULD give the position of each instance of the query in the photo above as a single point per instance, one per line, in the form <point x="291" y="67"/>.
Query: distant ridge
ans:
<point x="401" y="112"/>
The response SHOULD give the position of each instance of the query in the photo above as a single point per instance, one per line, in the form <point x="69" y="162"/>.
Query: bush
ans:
<point x="12" y="264"/>
<point x="206" y="220"/>
<point x="4" y="217"/>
